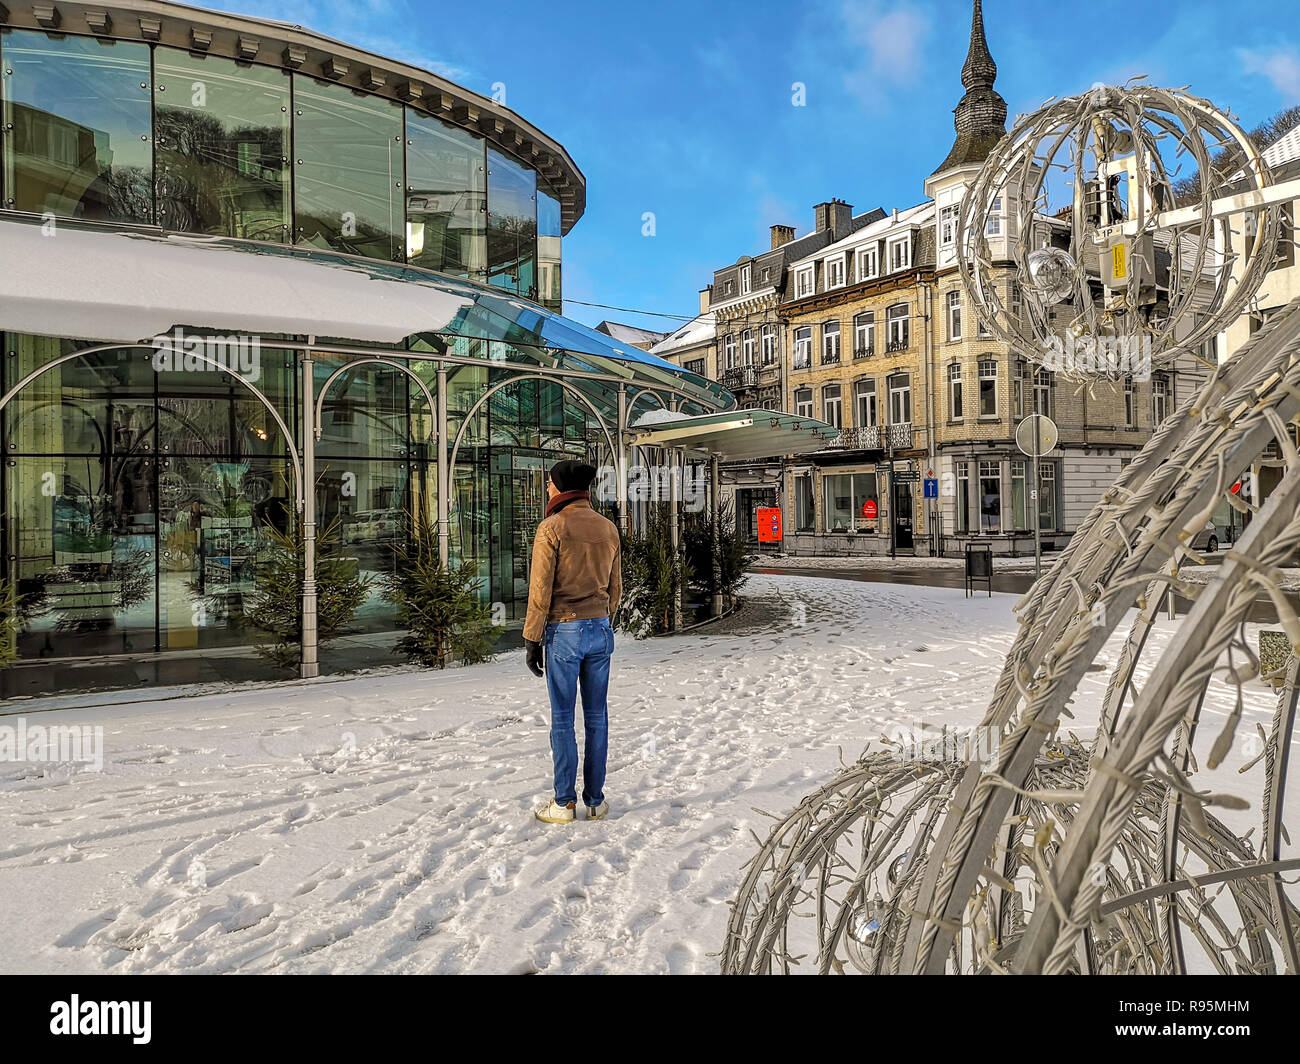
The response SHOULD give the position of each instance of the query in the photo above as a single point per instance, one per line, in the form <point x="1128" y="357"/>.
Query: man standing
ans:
<point x="573" y="595"/>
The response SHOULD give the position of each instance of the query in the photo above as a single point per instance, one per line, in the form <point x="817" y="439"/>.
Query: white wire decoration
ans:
<point x="1113" y="159"/>
<point x="1160" y="845"/>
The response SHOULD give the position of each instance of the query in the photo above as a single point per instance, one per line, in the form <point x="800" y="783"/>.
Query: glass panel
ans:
<point x="82" y="537"/>
<point x="365" y="412"/>
<point x="223" y="147"/>
<point x="348" y="150"/>
<point x="446" y="198"/>
<point x="549" y="290"/>
<point x="79" y="142"/>
<point x="512" y="225"/>
<point x="212" y="518"/>
<point x="865" y="490"/>
<point x="837" y="504"/>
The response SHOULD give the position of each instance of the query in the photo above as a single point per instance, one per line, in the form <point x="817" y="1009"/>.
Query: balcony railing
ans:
<point x="875" y="438"/>
<point x="740" y="377"/>
<point x="864" y="352"/>
<point x="897" y="345"/>
<point x="829" y="359"/>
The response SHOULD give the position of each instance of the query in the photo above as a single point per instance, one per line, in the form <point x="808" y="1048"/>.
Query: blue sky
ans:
<point x="683" y="107"/>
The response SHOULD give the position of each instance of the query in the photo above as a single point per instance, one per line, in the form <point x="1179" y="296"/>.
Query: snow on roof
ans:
<point x="699" y="331"/>
<point x="1285" y="149"/>
<point x="917" y="215"/>
<point x="629" y="334"/>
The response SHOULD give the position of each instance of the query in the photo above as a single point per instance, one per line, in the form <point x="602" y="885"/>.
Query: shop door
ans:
<point x="517" y="505"/>
<point x="903" y="529"/>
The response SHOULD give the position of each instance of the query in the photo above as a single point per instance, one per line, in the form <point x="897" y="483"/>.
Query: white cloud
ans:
<point x="1280" y="66"/>
<point x="890" y="39"/>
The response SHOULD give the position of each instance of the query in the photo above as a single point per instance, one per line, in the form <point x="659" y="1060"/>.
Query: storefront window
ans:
<point x="223" y="146"/>
<point x="512" y="225"/>
<point x="349" y="180"/>
<point x="1019" y="495"/>
<point x="850" y="503"/>
<point x="78" y="122"/>
<point x="990" y="497"/>
<point x="964" y="502"/>
<point x="804" y="515"/>
<point x="446" y="196"/>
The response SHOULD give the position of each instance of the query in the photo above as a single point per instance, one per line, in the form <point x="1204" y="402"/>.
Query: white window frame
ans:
<point x="833" y="405"/>
<point x="952" y="306"/>
<point x="830" y="339"/>
<point x="767" y="345"/>
<point x="900" y="398"/>
<point x="745" y="286"/>
<point x="868" y="263"/>
<point x="898" y="323"/>
<point x="897" y="262"/>
<point x="865" y="390"/>
<point x="747" y="347"/>
<point x="729" y="351"/>
<point x="956" y="407"/>
<point x="804" y="282"/>
<point x="802" y="344"/>
<point x="995" y="217"/>
<point x="833" y="271"/>
<point x="864" y="334"/>
<point x="983" y="374"/>
<point x="948" y="225"/>
<point x="803" y="408"/>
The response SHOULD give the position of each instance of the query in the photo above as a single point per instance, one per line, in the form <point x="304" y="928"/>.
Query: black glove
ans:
<point x="533" y="657"/>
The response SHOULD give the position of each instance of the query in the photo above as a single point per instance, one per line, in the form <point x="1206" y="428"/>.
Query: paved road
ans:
<point x="1012" y="583"/>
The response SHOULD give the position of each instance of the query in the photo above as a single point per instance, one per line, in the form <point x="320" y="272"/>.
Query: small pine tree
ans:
<point x="439" y="606"/>
<point x="277" y="606"/>
<point x="10" y="623"/>
<point x="652" y="576"/>
<point x="729" y="545"/>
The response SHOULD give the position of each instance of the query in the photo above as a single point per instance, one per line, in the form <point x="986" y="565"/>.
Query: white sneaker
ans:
<point x="552" y="813"/>
<point x="598" y="812"/>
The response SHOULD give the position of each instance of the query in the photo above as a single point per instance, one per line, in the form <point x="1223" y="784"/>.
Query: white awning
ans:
<point x="120" y="286"/>
<point x="737" y="434"/>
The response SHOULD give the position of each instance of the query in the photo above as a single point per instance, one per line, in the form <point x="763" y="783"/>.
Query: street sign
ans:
<point x="907" y="476"/>
<point x="1047" y="432"/>
<point x="931" y="488"/>
<point x="769" y="524"/>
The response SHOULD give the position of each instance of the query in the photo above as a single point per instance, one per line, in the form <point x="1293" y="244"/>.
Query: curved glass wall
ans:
<point x="222" y="152"/>
<point x="79" y="121"/>
<point x="119" y="131"/>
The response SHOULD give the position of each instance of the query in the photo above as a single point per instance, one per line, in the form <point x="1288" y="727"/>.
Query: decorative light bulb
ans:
<point x="1051" y="272"/>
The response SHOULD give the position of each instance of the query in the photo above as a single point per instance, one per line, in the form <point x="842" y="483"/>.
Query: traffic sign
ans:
<point x="931" y="488"/>
<point x="1045" y="427"/>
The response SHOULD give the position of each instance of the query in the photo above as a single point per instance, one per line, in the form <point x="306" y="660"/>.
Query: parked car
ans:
<point x="1207" y="539"/>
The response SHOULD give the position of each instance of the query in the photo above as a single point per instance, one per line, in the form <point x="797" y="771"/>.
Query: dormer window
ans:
<point x="745" y="286"/>
<point x="900" y="254"/>
<point x="868" y="263"/>
<point x="803" y="282"/>
<point x="834" y="272"/>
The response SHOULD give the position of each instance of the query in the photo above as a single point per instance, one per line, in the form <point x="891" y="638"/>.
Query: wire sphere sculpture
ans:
<point x="1052" y="855"/>
<point x="1117" y="253"/>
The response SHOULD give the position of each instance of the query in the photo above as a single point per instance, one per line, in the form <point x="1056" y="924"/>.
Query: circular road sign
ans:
<point x="1045" y="427"/>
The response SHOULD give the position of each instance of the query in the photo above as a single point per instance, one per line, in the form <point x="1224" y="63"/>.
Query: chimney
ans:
<point x="835" y="215"/>
<point x="705" y="295"/>
<point x="895" y="214"/>
<point x="781" y="234"/>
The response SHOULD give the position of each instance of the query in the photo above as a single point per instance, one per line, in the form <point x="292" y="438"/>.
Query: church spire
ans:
<point x="980" y="118"/>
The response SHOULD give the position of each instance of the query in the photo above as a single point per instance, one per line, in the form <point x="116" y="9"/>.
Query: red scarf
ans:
<point x="563" y="499"/>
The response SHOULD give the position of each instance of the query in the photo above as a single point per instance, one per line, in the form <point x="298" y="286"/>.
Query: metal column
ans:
<point x="676" y="478"/>
<point x="716" y="515"/>
<point x="624" y="511"/>
<point x="308" y="667"/>
<point x="444" y="473"/>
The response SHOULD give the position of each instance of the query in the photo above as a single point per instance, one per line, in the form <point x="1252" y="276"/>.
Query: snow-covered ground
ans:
<point x="384" y="823"/>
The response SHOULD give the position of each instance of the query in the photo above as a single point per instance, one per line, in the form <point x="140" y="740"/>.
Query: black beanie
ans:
<point x="570" y="475"/>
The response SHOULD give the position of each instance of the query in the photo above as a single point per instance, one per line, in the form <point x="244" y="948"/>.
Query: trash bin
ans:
<point x="979" y="567"/>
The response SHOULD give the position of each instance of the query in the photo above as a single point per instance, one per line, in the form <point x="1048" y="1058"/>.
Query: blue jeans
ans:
<point x="579" y="651"/>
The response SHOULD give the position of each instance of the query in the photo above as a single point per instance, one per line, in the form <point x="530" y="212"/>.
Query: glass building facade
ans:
<point x="136" y="500"/>
<point x="130" y="132"/>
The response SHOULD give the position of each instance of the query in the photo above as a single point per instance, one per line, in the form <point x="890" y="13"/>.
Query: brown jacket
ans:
<point x="576" y="569"/>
